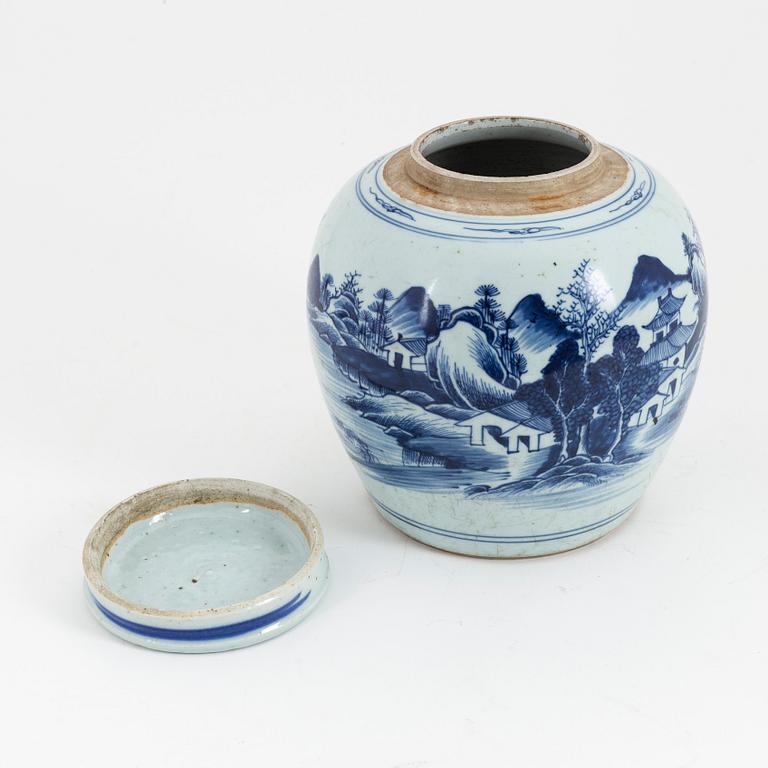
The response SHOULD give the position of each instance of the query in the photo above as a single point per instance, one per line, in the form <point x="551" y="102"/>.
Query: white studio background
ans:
<point x="163" y="167"/>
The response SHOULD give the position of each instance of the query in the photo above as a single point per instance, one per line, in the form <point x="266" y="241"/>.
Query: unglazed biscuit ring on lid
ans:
<point x="204" y="565"/>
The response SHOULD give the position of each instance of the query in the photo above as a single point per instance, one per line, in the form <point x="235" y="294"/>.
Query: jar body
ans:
<point x="506" y="385"/>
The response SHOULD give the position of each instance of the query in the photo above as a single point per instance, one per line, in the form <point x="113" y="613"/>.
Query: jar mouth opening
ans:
<point x="504" y="148"/>
<point x="505" y="166"/>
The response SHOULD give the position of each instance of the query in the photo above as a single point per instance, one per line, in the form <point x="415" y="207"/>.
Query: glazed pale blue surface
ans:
<point x="204" y="556"/>
<point x="506" y="386"/>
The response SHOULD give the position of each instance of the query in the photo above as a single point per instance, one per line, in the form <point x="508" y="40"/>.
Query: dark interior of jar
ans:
<point x="506" y="157"/>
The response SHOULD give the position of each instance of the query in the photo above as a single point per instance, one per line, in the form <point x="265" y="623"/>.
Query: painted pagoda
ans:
<point x="668" y="348"/>
<point x="669" y="334"/>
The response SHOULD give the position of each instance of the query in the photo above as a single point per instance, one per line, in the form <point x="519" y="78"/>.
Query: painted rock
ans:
<point x="507" y="319"/>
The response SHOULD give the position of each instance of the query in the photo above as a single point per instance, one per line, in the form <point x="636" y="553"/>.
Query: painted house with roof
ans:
<point x="406" y="354"/>
<point x="670" y="381"/>
<point x="518" y="428"/>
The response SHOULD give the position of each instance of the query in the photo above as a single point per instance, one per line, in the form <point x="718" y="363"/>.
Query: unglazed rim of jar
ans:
<point x="195" y="630"/>
<point x="413" y="177"/>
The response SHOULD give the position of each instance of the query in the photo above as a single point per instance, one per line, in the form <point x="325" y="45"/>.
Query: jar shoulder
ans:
<point x="368" y="229"/>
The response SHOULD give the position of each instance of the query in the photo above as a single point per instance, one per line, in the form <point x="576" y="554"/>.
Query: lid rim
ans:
<point x="112" y="524"/>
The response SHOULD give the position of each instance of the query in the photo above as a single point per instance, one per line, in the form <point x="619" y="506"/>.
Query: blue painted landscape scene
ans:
<point x="507" y="394"/>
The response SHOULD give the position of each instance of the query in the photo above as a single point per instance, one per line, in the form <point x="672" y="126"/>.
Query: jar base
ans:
<point x="503" y="547"/>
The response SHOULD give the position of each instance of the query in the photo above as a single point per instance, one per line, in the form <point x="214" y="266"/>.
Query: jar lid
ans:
<point x="204" y="565"/>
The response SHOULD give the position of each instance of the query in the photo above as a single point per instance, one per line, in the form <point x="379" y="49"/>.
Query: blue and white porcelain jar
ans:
<point x="507" y="318"/>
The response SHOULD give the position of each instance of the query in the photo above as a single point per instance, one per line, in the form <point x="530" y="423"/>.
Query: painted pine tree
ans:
<point x="487" y="304"/>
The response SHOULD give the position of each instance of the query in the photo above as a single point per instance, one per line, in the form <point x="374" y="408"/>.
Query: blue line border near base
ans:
<point x="488" y="539"/>
<point x="205" y="633"/>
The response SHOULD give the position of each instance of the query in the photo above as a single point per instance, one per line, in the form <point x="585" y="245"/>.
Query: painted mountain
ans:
<point x="413" y="315"/>
<point x="650" y="277"/>
<point x="468" y="368"/>
<point x="536" y="326"/>
<point x="538" y="330"/>
<point x="314" y="288"/>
